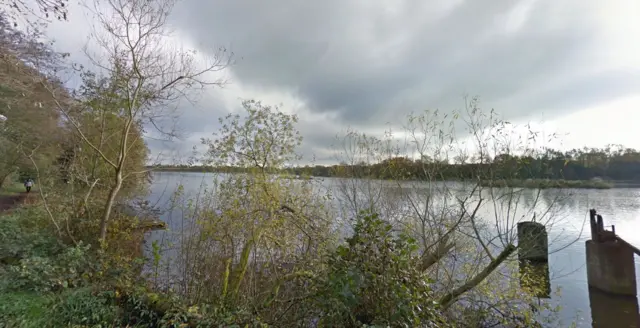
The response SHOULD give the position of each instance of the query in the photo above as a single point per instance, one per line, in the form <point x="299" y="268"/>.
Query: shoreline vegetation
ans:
<point x="256" y="250"/>
<point x="500" y="183"/>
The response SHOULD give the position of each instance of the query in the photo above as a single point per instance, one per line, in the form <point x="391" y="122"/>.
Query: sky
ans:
<point x="572" y="67"/>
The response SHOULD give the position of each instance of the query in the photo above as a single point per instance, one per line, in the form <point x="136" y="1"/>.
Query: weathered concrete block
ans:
<point x="533" y="242"/>
<point x="610" y="267"/>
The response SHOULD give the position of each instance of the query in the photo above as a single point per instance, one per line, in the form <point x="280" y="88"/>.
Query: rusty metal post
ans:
<point x="593" y="225"/>
<point x="600" y="221"/>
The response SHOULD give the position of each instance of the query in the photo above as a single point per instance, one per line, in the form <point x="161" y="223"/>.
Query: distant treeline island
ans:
<point x="585" y="168"/>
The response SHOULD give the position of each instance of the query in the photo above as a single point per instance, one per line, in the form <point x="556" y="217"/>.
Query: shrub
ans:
<point x="22" y="235"/>
<point x="24" y="310"/>
<point x="71" y="268"/>
<point x="374" y="280"/>
<point x="86" y="308"/>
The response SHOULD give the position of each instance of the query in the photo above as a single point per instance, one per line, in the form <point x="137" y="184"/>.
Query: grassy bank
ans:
<point x="548" y="184"/>
<point x="11" y="189"/>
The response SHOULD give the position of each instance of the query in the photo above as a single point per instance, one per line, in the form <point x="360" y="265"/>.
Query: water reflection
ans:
<point x="609" y="311"/>
<point x="535" y="278"/>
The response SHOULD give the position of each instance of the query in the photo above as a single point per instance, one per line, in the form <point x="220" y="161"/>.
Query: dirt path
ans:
<point x="7" y="203"/>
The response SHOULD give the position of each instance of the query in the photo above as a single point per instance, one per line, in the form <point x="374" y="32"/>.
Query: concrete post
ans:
<point x="610" y="267"/>
<point x="533" y="243"/>
<point x="533" y="255"/>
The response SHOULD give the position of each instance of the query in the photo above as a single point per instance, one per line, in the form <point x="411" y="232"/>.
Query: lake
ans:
<point x="567" y="236"/>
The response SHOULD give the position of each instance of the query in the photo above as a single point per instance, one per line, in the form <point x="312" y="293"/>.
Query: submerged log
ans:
<point x="151" y="225"/>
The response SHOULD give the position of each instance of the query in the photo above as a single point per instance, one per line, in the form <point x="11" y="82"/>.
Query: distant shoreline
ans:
<point x="499" y="183"/>
<point x="549" y="184"/>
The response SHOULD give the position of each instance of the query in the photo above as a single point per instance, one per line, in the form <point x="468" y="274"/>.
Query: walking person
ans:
<point x="28" y="184"/>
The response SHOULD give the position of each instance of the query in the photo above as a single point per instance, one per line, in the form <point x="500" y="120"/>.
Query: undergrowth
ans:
<point x="47" y="283"/>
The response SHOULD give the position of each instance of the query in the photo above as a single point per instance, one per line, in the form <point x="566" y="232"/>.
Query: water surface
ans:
<point x="567" y="236"/>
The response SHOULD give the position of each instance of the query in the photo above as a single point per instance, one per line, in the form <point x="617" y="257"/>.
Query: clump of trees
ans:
<point x="614" y="162"/>
<point x="31" y="131"/>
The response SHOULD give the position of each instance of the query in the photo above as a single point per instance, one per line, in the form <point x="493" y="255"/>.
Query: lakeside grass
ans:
<point x="548" y="184"/>
<point x="15" y="188"/>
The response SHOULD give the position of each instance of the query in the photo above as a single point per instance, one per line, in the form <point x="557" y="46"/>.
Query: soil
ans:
<point x="8" y="203"/>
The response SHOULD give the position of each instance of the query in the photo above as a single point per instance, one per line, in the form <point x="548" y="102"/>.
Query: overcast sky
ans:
<point x="573" y="64"/>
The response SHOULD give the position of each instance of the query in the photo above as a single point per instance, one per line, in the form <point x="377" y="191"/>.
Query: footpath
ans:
<point x="8" y="203"/>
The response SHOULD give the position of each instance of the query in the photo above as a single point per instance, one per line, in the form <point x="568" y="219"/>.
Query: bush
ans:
<point x="86" y="308"/>
<point x="374" y="280"/>
<point x="72" y="308"/>
<point x="71" y="268"/>
<point x="23" y="234"/>
<point x="24" y="310"/>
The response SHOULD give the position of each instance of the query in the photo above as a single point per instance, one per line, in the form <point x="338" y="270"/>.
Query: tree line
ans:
<point x="615" y="163"/>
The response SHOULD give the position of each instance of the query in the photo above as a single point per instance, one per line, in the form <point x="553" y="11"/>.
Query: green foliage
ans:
<point x="10" y="188"/>
<point x="71" y="268"/>
<point x="265" y="138"/>
<point x="72" y="308"/>
<point x="224" y="317"/>
<point x="24" y="234"/>
<point x="374" y="280"/>
<point x="32" y="123"/>
<point x="87" y="308"/>
<point x="25" y="310"/>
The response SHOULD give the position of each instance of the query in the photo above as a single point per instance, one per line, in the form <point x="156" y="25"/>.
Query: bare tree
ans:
<point x="42" y="10"/>
<point x="467" y="229"/>
<point x="140" y="80"/>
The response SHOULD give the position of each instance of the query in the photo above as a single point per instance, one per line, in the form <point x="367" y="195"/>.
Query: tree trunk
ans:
<point x="104" y="224"/>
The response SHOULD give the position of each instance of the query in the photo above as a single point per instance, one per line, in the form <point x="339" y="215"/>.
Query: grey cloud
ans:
<point x="372" y="62"/>
<point x="202" y="116"/>
<point x="586" y="90"/>
<point x="318" y="50"/>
